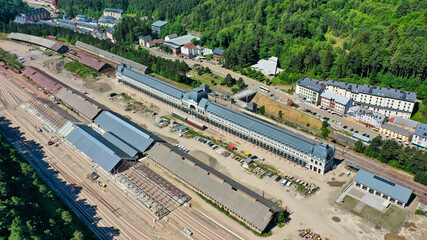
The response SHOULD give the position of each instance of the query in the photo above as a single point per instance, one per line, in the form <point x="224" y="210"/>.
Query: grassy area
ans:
<point x="420" y="212"/>
<point x="289" y="91"/>
<point x="208" y="77"/>
<point x="345" y="132"/>
<point x="273" y="107"/>
<point x="4" y="37"/>
<point x="10" y="59"/>
<point x="421" y="115"/>
<point x="83" y="71"/>
<point x="392" y="219"/>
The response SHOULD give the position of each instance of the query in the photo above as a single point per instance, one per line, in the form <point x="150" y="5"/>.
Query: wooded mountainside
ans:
<point x="374" y="42"/>
<point x="10" y="8"/>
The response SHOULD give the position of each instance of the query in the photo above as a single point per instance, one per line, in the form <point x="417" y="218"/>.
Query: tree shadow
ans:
<point x="31" y="150"/>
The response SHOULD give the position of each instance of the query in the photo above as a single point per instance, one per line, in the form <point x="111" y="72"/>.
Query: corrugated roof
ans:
<point x="132" y="134"/>
<point x="111" y="57"/>
<point x="335" y="96"/>
<point x="180" y="41"/>
<point x="268" y="67"/>
<point x="91" y="144"/>
<point x="311" y="84"/>
<point x="384" y="186"/>
<point x="157" y="84"/>
<point x="374" y="90"/>
<point x="80" y="103"/>
<point x="244" y="202"/>
<point x="120" y="143"/>
<point x="42" y="78"/>
<point x="37" y="41"/>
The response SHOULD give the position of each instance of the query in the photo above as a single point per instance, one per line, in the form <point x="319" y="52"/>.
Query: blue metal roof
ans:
<point x="129" y="132"/>
<point x="93" y="145"/>
<point x="67" y="21"/>
<point x="218" y="51"/>
<point x="120" y="143"/>
<point x="159" y="24"/>
<point x="320" y="150"/>
<point x="161" y="86"/>
<point x="384" y="186"/>
<point x="64" y="25"/>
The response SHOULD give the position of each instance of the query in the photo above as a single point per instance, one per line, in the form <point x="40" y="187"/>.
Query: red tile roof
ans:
<point x="190" y="46"/>
<point x="40" y="77"/>
<point x="85" y="59"/>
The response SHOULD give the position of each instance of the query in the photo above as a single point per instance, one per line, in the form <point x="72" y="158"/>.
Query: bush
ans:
<point x="234" y="90"/>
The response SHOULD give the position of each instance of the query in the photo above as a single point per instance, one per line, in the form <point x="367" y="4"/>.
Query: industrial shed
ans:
<point x="134" y="135"/>
<point x="112" y="57"/>
<point x="94" y="146"/>
<point x="85" y="59"/>
<point x="246" y="205"/>
<point x="79" y="102"/>
<point x="52" y="45"/>
<point x="42" y="78"/>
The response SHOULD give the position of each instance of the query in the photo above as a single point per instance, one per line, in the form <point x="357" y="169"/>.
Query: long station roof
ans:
<point x="38" y="41"/>
<point x="42" y="78"/>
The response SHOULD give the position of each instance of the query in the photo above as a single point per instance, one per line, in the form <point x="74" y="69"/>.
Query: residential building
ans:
<point x="367" y="117"/>
<point x="395" y="132"/>
<point x="204" y="51"/>
<point x="189" y="50"/>
<point x="157" y="26"/>
<point x="34" y="15"/>
<point x="116" y="13"/>
<point x="383" y="188"/>
<point x="109" y="32"/>
<point x="405" y="123"/>
<point x="217" y="53"/>
<point x="153" y="43"/>
<point x="386" y="101"/>
<point x="267" y="67"/>
<point x="143" y="40"/>
<point x="82" y="18"/>
<point x="310" y="90"/>
<point x="88" y="26"/>
<point x="175" y="44"/>
<point x="171" y="36"/>
<point x="335" y="102"/>
<point x="108" y="21"/>
<point x="420" y="136"/>
<point x="315" y="156"/>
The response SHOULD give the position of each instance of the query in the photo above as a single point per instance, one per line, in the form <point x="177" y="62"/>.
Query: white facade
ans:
<point x="307" y="94"/>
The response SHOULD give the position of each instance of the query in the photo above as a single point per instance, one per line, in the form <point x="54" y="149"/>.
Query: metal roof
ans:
<point x="80" y="103"/>
<point x="37" y="40"/>
<point x="181" y="41"/>
<point x="91" y="144"/>
<point x="159" y="24"/>
<point x="120" y="143"/>
<point x="244" y="202"/>
<point x="132" y="134"/>
<point x="67" y="22"/>
<point x="85" y="59"/>
<point x="111" y="57"/>
<point x="374" y="90"/>
<point x="311" y="84"/>
<point x="35" y="12"/>
<point x="268" y="67"/>
<point x="384" y="186"/>
<point x="157" y="84"/>
<point x="335" y="96"/>
<point x="404" y="122"/>
<point x="218" y="51"/>
<point x="320" y="150"/>
<point x="421" y="130"/>
<point x="114" y="10"/>
<point x="396" y="129"/>
<point x="42" y="78"/>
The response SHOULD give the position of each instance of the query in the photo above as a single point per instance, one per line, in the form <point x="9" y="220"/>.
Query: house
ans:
<point x="108" y="21"/>
<point x="267" y="67"/>
<point x="387" y="101"/>
<point x="189" y="50"/>
<point x="157" y="26"/>
<point x="176" y="43"/>
<point x="420" y="136"/>
<point x="335" y="102"/>
<point x="34" y="15"/>
<point x="171" y="36"/>
<point x="143" y="40"/>
<point x="217" y="53"/>
<point x="310" y="90"/>
<point x="153" y="43"/>
<point x="204" y="51"/>
<point x="109" y="33"/>
<point x="367" y="117"/>
<point x="383" y="188"/>
<point x="111" y="12"/>
<point x="395" y="132"/>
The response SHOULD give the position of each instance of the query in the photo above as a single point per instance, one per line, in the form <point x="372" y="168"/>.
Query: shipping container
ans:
<point x="231" y="146"/>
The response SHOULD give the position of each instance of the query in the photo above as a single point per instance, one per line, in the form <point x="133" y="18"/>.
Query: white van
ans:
<point x="284" y="182"/>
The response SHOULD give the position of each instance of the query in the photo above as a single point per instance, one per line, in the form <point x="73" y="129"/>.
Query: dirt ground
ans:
<point x="318" y="212"/>
<point x="98" y="86"/>
<point x="289" y="113"/>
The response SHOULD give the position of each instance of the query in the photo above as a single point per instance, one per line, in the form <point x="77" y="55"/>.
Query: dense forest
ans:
<point x="10" y="8"/>
<point x="29" y="209"/>
<point x="409" y="159"/>
<point x="374" y="42"/>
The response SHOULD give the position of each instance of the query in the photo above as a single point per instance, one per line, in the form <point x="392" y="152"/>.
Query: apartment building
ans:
<point x="336" y="103"/>
<point x="310" y="90"/>
<point x="387" y="101"/>
<point x="420" y="136"/>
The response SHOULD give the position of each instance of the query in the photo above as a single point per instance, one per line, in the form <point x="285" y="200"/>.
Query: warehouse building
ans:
<point x="383" y="188"/>
<point x="42" y="78"/>
<point x="315" y="156"/>
<point x="46" y="43"/>
<point x="85" y="59"/>
<point x="31" y="16"/>
<point x="387" y="101"/>
<point x="310" y="90"/>
<point x="94" y="145"/>
<point x="244" y="204"/>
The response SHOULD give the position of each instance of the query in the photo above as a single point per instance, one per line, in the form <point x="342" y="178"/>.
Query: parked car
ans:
<point x="270" y="174"/>
<point x="345" y="127"/>
<point x="351" y="129"/>
<point x="278" y="179"/>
